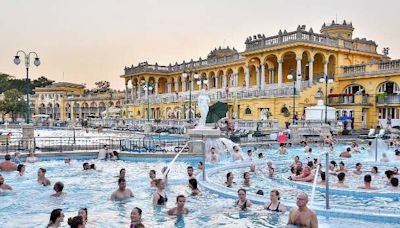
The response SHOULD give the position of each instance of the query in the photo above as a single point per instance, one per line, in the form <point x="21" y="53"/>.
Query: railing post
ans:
<point x="326" y="180"/>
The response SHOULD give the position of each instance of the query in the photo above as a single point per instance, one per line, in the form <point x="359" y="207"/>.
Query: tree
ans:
<point x="12" y="103"/>
<point x="42" y="81"/>
<point x="4" y="82"/>
<point x="102" y="87"/>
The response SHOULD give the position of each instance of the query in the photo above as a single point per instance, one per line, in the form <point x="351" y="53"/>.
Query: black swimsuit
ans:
<point x="162" y="200"/>
<point x="276" y="209"/>
<point x="243" y="206"/>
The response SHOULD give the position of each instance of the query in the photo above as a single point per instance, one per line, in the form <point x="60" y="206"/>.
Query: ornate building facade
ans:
<point x="365" y="83"/>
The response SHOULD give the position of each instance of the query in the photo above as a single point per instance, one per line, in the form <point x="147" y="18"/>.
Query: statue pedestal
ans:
<point x="148" y="127"/>
<point x="28" y="136"/>
<point x="202" y="133"/>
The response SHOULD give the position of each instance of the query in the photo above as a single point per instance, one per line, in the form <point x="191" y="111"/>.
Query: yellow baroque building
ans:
<point x="68" y="101"/>
<point x="364" y="84"/>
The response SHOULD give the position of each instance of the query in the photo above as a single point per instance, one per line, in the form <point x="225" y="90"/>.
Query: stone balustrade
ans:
<point x="372" y="68"/>
<point x="300" y="35"/>
<point x="145" y="67"/>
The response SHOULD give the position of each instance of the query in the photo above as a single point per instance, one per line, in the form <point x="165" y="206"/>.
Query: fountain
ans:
<point x="378" y="148"/>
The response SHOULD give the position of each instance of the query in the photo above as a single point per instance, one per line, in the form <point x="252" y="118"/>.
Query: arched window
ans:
<point x="352" y="89"/>
<point x="389" y="88"/>
<point x="247" y="111"/>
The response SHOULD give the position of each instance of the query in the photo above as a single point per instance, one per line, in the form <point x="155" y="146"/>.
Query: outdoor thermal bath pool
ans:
<point x="30" y="204"/>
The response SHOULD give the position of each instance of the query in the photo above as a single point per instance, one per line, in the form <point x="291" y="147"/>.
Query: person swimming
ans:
<point x="246" y="179"/>
<point x="83" y="212"/>
<point x="58" y="188"/>
<point x="159" y="196"/>
<point x="76" y="222"/>
<point x="42" y="179"/>
<point x="194" y="187"/>
<point x="122" y="192"/>
<point x="7" y="165"/>
<point x="180" y="206"/>
<point x="275" y="203"/>
<point x="3" y="185"/>
<point x="56" y="218"/>
<point x="136" y="217"/>
<point x="243" y="203"/>
<point x="302" y="216"/>
<point x="340" y="183"/>
<point x="229" y="180"/>
<point x="152" y="176"/>
<point x="21" y="170"/>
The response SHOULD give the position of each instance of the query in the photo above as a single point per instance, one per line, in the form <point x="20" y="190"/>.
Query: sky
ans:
<point x="87" y="41"/>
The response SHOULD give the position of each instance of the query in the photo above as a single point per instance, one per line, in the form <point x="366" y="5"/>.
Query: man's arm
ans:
<point x="314" y="221"/>
<point x="290" y="222"/>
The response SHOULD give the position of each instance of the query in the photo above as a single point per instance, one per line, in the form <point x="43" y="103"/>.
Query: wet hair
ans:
<point x="92" y="166"/>
<point x="228" y="175"/>
<point x="310" y="164"/>
<point x="310" y="149"/>
<point x="276" y="193"/>
<point x="54" y="215"/>
<point x="281" y="144"/>
<point x="348" y="149"/>
<point x="369" y="143"/>
<point x="394" y="182"/>
<point x="190" y="167"/>
<point x="292" y="169"/>
<point x="153" y="171"/>
<point x="244" y="175"/>
<point x="389" y="173"/>
<point x="104" y="146"/>
<point x="212" y="148"/>
<point x="85" y="164"/>
<point x="157" y="181"/>
<point x="75" y="222"/>
<point x="86" y="212"/>
<point x="260" y="155"/>
<point x="19" y="167"/>
<point x="358" y="164"/>
<point x="200" y="163"/>
<point x="43" y="170"/>
<point x="249" y="151"/>
<point x="241" y="189"/>
<point x="333" y="163"/>
<point x="260" y="192"/>
<point x="58" y="186"/>
<point x="322" y="176"/>
<point x="397" y="152"/>
<point x="7" y="157"/>
<point x="179" y="196"/>
<point x="341" y="176"/>
<point x="341" y="163"/>
<point x="120" y="180"/>
<point x="375" y="168"/>
<point x="120" y="171"/>
<point x="193" y="183"/>
<point x="367" y="178"/>
<point x="139" y="210"/>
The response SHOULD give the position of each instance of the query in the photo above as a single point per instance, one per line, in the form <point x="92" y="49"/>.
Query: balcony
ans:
<point x="388" y="100"/>
<point x="349" y="99"/>
<point x="372" y="68"/>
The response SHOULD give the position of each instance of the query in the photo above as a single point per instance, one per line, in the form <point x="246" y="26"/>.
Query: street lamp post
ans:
<point x="185" y="75"/>
<point x="290" y="77"/>
<point x="36" y="62"/>
<point x="148" y="87"/>
<point x="327" y="80"/>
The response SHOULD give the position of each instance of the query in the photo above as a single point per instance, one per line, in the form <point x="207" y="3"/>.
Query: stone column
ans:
<point x="183" y="84"/>
<point x="325" y="68"/>
<point x="298" y="74"/>
<point x="247" y="76"/>
<point x="262" y="76"/>
<point x="236" y="78"/>
<point x="224" y="81"/>
<point x="169" y="87"/>
<point x="126" y="92"/>
<point x="258" y="77"/>
<point x="280" y="73"/>
<point x="192" y="84"/>
<point x="139" y="91"/>
<point x="176" y="86"/>
<point x="132" y="91"/>
<point x="311" y="71"/>
<point x="156" y="88"/>
<point x="216" y="82"/>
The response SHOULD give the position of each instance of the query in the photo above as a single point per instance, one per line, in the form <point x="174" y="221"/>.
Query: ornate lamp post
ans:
<point x="290" y="77"/>
<point x="36" y="62"/>
<point x="148" y="88"/>
<point x="327" y="80"/>
<point x="185" y="75"/>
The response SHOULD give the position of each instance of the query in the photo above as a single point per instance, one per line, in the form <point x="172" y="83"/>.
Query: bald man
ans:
<point x="302" y="216"/>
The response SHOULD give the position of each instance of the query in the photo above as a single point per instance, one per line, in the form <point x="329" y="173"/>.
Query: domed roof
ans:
<point x="221" y="52"/>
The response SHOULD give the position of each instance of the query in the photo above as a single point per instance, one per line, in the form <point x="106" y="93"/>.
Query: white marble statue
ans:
<point x="203" y="102"/>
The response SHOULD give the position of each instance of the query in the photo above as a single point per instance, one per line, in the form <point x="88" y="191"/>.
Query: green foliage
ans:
<point x="12" y="103"/>
<point x="8" y="82"/>
<point x="101" y="87"/>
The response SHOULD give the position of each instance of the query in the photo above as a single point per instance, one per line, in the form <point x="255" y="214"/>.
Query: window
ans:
<point x="247" y="111"/>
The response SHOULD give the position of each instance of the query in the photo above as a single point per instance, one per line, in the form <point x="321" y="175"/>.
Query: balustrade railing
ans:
<point x="389" y="99"/>
<point x="372" y="68"/>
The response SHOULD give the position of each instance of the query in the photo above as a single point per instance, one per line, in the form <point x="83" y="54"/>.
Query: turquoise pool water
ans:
<point x="30" y="204"/>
